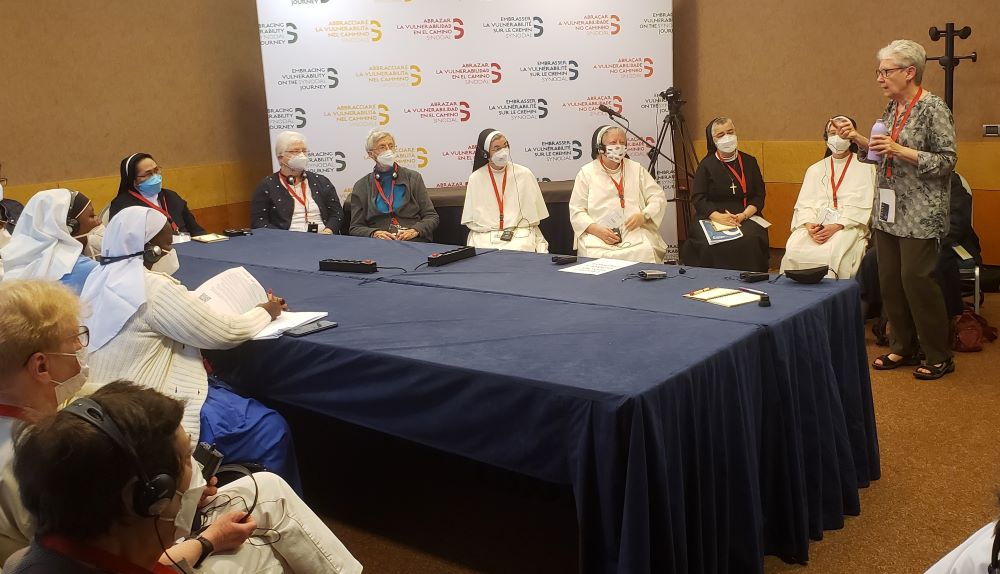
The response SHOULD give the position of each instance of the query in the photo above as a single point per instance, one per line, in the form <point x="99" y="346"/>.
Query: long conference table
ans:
<point x="695" y="437"/>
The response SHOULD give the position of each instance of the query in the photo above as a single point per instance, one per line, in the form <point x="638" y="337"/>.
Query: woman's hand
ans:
<point x="230" y="531"/>
<point x="603" y="233"/>
<point x="326" y="231"/>
<point x="634" y="221"/>
<point x="383" y="235"/>
<point x="846" y="130"/>
<point x="274" y="306"/>
<point x="407" y="234"/>
<point x="883" y="145"/>
<point x="210" y="491"/>
<point x="723" y="218"/>
<point x="826" y="232"/>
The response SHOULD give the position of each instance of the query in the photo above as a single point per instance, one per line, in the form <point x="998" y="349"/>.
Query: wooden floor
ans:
<point x="403" y="508"/>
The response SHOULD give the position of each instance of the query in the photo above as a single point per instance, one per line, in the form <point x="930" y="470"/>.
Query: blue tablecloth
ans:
<point x="695" y="437"/>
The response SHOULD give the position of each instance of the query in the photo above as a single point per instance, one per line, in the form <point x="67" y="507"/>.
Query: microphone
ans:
<point x="609" y="111"/>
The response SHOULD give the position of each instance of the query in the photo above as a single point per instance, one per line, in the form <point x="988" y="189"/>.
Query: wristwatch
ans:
<point x="207" y="548"/>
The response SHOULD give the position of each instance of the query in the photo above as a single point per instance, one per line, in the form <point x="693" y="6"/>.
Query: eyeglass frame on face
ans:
<point x="82" y="337"/>
<point x="290" y="152"/>
<point x="141" y="177"/>
<point x="384" y="147"/>
<point x="886" y="72"/>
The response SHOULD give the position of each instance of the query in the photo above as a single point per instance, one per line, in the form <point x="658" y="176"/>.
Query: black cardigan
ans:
<point x="176" y="207"/>
<point x="272" y="207"/>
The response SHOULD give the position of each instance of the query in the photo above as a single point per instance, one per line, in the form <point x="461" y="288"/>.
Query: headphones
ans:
<point x="395" y="171"/>
<point x="150" y="254"/>
<point x="151" y="495"/>
<point x="598" y="136"/>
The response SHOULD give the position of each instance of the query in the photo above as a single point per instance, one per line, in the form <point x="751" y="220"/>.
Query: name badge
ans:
<point x="886" y="205"/>
<point x="507" y="235"/>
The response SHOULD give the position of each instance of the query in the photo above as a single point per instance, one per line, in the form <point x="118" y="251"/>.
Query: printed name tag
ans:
<point x="886" y="205"/>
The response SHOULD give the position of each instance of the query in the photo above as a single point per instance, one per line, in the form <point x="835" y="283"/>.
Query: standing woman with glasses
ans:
<point x="916" y="160"/>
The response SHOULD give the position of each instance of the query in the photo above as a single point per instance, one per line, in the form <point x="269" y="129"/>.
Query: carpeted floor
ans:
<point x="403" y="508"/>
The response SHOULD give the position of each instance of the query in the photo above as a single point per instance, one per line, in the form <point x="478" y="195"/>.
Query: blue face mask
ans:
<point x="150" y="187"/>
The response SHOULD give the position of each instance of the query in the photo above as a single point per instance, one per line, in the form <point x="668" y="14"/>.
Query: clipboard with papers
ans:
<point x="723" y="296"/>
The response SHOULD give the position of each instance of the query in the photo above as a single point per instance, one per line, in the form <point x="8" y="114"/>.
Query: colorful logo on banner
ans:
<point x="522" y="109"/>
<point x="412" y="157"/>
<point x="553" y="70"/>
<point x="399" y="75"/>
<point x="659" y="22"/>
<point x="278" y="33"/>
<point x="516" y="26"/>
<point x="442" y="112"/>
<point x="556" y="150"/>
<point x="637" y="67"/>
<point x="352" y="30"/>
<point x="435" y="29"/>
<point x="360" y="114"/>
<point x="595" y="24"/>
<point x="590" y="104"/>
<point x="286" y="118"/>
<point x="473" y="73"/>
<point x="327" y="161"/>
<point x="310" y="78"/>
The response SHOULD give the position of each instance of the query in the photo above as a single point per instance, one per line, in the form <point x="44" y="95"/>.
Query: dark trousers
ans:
<point x="911" y="296"/>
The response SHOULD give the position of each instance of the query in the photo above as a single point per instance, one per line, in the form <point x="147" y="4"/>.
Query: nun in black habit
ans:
<point x="141" y="185"/>
<point x="729" y="190"/>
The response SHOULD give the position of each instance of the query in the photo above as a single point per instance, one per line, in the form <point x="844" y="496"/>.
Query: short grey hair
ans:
<point x="285" y="140"/>
<point x="610" y="130"/>
<point x="906" y="53"/>
<point x="720" y="121"/>
<point x="374" y="135"/>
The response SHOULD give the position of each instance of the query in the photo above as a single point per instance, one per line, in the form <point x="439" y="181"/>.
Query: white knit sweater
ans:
<point x="160" y="346"/>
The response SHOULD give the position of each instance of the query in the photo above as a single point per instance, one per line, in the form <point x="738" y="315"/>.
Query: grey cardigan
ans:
<point x="416" y="212"/>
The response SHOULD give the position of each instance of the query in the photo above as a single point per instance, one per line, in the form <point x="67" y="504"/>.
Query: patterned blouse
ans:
<point x="921" y="190"/>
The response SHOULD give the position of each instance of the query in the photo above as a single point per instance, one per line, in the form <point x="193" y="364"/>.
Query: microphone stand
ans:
<point x="652" y="165"/>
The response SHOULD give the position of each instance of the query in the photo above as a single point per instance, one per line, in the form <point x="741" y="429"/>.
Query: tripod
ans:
<point x="675" y="128"/>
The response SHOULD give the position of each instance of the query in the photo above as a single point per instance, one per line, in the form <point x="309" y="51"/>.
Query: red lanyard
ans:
<point x="152" y="205"/>
<point x="304" y="200"/>
<point x="392" y="196"/>
<point x="499" y="194"/>
<point x="897" y="127"/>
<point x="619" y="185"/>
<point x="13" y="412"/>
<point x="98" y="558"/>
<point x="833" y="176"/>
<point x="740" y="177"/>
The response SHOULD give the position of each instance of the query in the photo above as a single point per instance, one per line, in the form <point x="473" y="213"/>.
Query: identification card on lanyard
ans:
<point x="302" y="200"/>
<point x="389" y="199"/>
<point x="886" y="205"/>
<point x="897" y="128"/>
<point x="499" y="194"/>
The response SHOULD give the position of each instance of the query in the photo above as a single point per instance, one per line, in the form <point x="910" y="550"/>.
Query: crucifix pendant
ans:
<point x="733" y="187"/>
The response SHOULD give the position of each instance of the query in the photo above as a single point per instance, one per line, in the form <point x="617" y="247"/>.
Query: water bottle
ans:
<point x="878" y="129"/>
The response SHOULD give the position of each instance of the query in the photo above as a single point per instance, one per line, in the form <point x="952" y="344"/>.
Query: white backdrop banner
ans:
<point x="436" y="73"/>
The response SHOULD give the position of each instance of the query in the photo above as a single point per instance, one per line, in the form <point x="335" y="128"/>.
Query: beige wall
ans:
<point x="84" y="84"/>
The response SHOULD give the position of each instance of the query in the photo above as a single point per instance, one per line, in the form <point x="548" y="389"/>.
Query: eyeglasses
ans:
<point x="884" y="72"/>
<point x="296" y="151"/>
<point x="83" y="334"/>
<point x="149" y="173"/>
<point x="385" y="147"/>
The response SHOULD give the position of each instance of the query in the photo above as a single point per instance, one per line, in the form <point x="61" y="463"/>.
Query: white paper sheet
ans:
<point x="760" y="221"/>
<point x="599" y="266"/>
<point x="233" y="292"/>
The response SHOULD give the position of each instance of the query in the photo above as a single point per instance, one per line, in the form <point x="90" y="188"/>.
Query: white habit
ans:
<point x="523" y="208"/>
<point x="595" y="200"/>
<point x="845" y="248"/>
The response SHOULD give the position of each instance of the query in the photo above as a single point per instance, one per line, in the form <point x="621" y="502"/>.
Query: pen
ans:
<point x="700" y="291"/>
<point x="754" y="291"/>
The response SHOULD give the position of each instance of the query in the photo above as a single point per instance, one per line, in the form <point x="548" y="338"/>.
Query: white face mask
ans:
<point x="386" y="158"/>
<point x="4" y="237"/>
<point x="67" y="389"/>
<point x="726" y="144"/>
<point x="168" y="264"/>
<point x="184" y="519"/>
<point x="501" y="158"/>
<point x="837" y="144"/>
<point x="615" y="152"/>
<point x="298" y="162"/>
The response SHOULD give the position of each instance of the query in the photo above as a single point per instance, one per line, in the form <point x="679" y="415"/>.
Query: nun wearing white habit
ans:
<point x="503" y="203"/>
<point x="830" y="221"/>
<point x="616" y="207"/>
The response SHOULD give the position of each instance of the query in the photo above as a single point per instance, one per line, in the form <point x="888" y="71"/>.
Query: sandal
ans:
<point x="886" y="363"/>
<point x="935" y="371"/>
